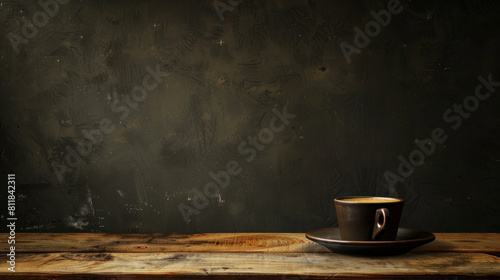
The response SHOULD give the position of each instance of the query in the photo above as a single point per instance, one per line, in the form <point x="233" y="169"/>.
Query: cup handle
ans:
<point x="381" y="217"/>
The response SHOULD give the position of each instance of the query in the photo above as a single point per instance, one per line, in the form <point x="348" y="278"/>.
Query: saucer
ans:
<point x="406" y="240"/>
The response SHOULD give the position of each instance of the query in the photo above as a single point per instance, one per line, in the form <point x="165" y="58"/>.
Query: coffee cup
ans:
<point x="368" y="218"/>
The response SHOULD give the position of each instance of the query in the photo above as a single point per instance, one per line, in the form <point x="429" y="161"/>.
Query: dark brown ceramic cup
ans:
<point x="368" y="218"/>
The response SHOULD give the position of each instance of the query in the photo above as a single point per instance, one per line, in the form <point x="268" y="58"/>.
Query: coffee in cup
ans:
<point x="368" y="218"/>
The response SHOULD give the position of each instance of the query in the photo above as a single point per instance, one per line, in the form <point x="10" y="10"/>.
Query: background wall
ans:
<point x="217" y="81"/>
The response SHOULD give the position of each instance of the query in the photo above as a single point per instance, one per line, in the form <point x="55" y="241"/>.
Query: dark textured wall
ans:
<point x="93" y="151"/>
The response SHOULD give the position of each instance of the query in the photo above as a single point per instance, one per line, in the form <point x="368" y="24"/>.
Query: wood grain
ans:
<point x="327" y="265"/>
<point x="223" y="242"/>
<point x="242" y="256"/>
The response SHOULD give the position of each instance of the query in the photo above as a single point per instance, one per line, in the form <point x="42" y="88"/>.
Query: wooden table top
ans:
<point x="240" y="256"/>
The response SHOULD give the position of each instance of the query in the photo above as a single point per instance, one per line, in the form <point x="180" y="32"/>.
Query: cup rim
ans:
<point x="394" y="199"/>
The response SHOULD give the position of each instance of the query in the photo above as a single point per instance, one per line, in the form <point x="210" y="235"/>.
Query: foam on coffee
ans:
<point x="370" y="199"/>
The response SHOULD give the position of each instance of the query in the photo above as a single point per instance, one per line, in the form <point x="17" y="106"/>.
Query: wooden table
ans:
<point x="241" y="256"/>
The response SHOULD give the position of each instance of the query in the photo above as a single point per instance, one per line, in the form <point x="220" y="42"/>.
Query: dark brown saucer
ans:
<point x="406" y="240"/>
